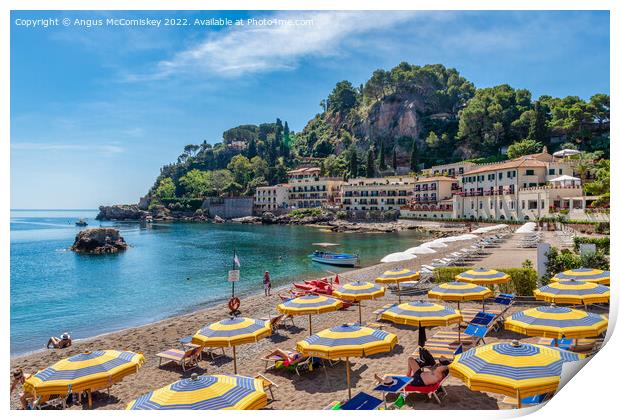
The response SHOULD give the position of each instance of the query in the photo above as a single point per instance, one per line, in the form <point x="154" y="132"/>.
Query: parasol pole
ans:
<point x="348" y="378"/>
<point x="360" y="310"/>
<point x="310" y="322"/>
<point x="398" y="285"/>
<point x="235" y="359"/>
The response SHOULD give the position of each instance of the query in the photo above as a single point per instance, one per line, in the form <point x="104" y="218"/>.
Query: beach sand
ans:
<point x="312" y="390"/>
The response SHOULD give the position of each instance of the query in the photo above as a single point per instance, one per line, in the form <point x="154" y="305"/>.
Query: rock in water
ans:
<point x="99" y="241"/>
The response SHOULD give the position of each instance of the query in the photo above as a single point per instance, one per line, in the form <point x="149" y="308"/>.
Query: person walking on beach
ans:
<point x="267" y="283"/>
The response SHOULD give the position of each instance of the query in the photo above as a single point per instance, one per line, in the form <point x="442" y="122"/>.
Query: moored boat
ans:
<point x="81" y="222"/>
<point x="342" y="260"/>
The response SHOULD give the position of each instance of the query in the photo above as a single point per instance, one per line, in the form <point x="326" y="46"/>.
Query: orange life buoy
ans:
<point x="233" y="304"/>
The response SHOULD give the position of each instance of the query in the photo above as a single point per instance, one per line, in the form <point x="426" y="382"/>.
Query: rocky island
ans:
<point x="99" y="241"/>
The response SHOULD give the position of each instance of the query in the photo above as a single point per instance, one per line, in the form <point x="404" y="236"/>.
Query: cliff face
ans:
<point x="396" y="116"/>
<point x="121" y="212"/>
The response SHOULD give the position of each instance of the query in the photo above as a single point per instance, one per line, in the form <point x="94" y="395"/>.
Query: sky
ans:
<point x="97" y="110"/>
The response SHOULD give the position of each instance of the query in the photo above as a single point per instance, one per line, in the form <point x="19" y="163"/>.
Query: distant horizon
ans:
<point x="116" y="104"/>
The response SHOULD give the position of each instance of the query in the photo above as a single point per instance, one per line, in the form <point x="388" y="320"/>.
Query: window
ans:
<point x="560" y="171"/>
<point x="500" y="175"/>
<point x="480" y="205"/>
<point x="532" y="205"/>
<point x="512" y="206"/>
<point x="522" y="204"/>
<point x="529" y="172"/>
<point x="472" y="205"/>
<point x="542" y="204"/>
<point x="551" y="171"/>
<point x="491" y="205"/>
<point x="501" y="205"/>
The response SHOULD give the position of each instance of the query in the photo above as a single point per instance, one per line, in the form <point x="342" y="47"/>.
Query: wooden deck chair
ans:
<point x="187" y="359"/>
<point x="294" y="356"/>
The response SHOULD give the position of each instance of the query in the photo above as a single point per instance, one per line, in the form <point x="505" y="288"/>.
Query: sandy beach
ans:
<point x="312" y="390"/>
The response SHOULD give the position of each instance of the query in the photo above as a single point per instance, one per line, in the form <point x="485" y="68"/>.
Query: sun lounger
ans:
<point x="362" y="401"/>
<point x="529" y="401"/>
<point x="187" y="344"/>
<point x="436" y="391"/>
<point x="187" y="359"/>
<point x="584" y="345"/>
<point x="275" y="359"/>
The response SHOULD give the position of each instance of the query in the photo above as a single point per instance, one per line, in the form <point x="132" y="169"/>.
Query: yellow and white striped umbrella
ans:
<point x="556" y="322"/>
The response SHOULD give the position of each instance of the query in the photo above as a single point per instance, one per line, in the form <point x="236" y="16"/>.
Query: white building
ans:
<point x="307" y="189"/>
<point x="271" y="198"/>
<point x="390" y="193"/>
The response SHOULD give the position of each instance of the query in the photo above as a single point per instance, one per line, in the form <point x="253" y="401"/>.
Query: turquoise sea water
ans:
<point x="170" y="268"/>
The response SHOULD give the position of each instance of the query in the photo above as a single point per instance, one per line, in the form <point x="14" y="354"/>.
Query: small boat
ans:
<point x="81" y="222"/>
<point x="331" y="258"/>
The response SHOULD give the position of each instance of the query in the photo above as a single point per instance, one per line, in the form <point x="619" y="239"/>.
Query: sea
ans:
<point x="170" y="268"/>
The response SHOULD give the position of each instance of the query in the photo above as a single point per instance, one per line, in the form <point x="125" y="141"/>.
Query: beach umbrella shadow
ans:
<point x="458" y="397"/>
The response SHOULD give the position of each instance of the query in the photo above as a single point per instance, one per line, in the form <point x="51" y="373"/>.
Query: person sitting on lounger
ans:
<point x="436" y="373"/>
<point x="289" y="357"/>
<point x="18" y="379"/>
<point x="59" y="343"/>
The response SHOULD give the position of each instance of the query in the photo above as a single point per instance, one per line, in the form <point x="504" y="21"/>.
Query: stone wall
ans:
<point x="229" y="207"/>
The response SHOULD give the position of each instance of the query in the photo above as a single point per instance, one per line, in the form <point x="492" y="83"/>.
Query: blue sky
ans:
<point x="95" y="112"/>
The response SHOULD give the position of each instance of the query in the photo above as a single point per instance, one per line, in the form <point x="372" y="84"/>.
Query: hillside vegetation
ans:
<point x="407" y="117"/>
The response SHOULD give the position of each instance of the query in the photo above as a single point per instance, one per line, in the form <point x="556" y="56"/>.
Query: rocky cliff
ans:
<point x="121" y="212"/>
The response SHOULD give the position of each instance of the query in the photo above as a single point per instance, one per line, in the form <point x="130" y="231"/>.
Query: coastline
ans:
<point x="361" y="273"/>
<point x="357" y="273"/>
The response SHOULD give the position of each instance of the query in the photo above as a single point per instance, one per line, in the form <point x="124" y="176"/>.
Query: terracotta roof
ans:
<point x="522" y="162"/>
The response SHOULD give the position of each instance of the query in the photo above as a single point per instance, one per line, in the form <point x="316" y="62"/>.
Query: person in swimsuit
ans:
<point x="59" y="343"/>
<point x="267" y="283"/>
<point x="437" y="372"/>
<point x="18" y="380"/>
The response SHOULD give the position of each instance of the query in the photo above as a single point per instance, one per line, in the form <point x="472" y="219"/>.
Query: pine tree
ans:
<point x="252" y="149"/>
<point x="370" y="164"/>
<point x="287" y="134"/>
<point x="382" y="157"/>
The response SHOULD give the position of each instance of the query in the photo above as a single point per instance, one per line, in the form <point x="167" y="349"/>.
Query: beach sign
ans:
<point x="233" y="275"/>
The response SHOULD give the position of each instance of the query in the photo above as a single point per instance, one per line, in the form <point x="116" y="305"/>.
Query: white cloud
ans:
<point x="252" y="49"/>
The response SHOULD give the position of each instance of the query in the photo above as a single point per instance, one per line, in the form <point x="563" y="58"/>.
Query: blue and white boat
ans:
<point x="333" y="258"/>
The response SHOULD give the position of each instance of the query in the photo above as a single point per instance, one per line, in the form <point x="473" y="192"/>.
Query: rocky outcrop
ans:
<point x="121" y="212"/>
<point x="247" y="220"/>
<point x="99" y="241"/>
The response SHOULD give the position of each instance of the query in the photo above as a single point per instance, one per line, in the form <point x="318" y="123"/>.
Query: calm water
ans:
<point x="170" y="268"/>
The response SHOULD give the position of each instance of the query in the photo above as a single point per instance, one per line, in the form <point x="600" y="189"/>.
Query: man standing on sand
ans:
<point x="267" y="283"/>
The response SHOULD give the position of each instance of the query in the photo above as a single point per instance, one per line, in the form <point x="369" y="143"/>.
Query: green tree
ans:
<point x="370" y="164"/>
<point x="241" y="169"/>
<point x="220" y="179"/>
<point x="252" y="151"/>
<point x="524" y="147"/>
<point x="196" y="183"/>
<point x="287" y="134"/>
<point x="342" y="98"/>
<point x="165" y="189"/>
<point x="394" y="163"/>
<point x="382" y="165"/>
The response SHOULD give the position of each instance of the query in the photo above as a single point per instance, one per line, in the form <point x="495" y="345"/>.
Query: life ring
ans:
<point x="233" y="304"/>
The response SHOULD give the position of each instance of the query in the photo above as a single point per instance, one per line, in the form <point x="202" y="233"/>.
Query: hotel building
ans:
<point x="307" y="189"/>
<point x="389" y="193"/>
<point x="271" y="198"/>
